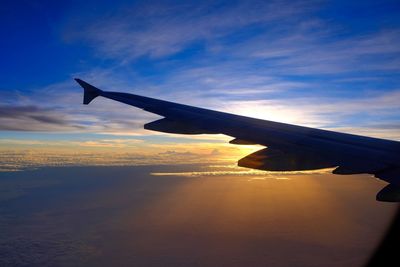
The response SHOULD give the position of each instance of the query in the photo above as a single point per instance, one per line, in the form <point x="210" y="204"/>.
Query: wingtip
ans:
<point x="90" y="92"/>
<point x="80" y="82"/>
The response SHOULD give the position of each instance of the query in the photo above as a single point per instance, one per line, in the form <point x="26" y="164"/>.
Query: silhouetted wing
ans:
<point x="290" y="147"/>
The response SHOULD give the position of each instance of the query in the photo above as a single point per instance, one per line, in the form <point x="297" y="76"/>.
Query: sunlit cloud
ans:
<point x="22" y="154"/>
<point x="219" y="173"/>
<point x="230" y="170"/>
<point x="111" y="143"/>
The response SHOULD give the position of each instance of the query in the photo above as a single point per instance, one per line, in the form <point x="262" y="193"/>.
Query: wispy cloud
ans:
<point x="34" y="118"/>
<point x="158" y="30"/>
<point x="310" y="54"/>
<point x="287" y="37"/>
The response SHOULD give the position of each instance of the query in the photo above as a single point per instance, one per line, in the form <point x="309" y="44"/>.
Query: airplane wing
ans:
<point x="288" y="147"/>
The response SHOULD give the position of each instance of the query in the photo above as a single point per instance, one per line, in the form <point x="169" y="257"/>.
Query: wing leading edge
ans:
<point x="289" y="147"/>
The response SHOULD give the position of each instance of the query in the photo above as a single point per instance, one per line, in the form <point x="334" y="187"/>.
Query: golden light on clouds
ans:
<point x="233" y="170"/>
<point x="221" y="173"/>
<point x="21" y="154"/>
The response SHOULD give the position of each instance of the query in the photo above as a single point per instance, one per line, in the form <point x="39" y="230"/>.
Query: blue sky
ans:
<point x="327" y="64"/>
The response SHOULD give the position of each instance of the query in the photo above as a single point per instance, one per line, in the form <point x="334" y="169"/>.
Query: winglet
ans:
<point x="90" y="92"/>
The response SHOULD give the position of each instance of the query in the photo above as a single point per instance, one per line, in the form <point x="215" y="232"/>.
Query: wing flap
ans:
<point x="390" y="193"/>
<point x="348" y="167"/>
<point x="275" y="160"/>
<point x="390" y="175"/>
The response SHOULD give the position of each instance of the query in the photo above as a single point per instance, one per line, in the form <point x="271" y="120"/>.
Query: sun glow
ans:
<point x="267" y="110"/>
